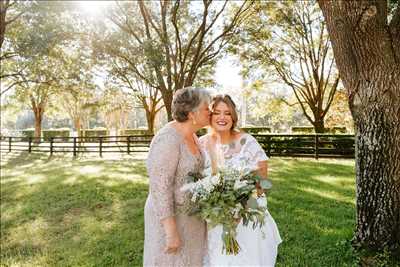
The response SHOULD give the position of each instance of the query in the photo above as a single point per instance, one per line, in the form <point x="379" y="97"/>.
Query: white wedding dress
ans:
<point x="258" y="247"/>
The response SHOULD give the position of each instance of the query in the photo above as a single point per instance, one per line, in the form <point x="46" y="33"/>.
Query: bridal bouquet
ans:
<point x="224" y="198"/>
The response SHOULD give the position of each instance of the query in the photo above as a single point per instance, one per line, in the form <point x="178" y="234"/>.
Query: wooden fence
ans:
<point x="76" y="145"/>
<point x="293" y="145"/>
<point x="308" y="145"/>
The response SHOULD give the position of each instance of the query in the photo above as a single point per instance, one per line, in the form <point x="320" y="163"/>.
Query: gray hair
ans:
<point x="188" y="100"/>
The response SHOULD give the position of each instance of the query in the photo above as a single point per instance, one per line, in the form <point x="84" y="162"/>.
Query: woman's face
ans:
<point x="221" y="118"/>
<point x="202" y="116"/>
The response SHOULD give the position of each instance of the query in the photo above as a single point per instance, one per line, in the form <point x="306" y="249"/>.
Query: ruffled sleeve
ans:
<point x="252" y="151"/>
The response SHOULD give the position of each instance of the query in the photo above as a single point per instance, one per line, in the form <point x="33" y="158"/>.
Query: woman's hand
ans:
<point x="173" y="243"/>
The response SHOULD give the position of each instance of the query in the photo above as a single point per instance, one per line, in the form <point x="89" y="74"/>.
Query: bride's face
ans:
<point x="221" y="118"/>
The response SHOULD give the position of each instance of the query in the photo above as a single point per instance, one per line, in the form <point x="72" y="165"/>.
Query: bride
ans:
<point x="225" y="146"/>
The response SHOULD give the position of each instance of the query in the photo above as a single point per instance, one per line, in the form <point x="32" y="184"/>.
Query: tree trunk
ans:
<point x="378" y="179"/>
<point x="38" y="112"/>
<point x="167" y="99"/>
<point x="150" y="117"/>
<point x="3" y="12"/>
<point x="319" y="126"/>
<point x="78" y="127"/>
<point x="368" y="62"/>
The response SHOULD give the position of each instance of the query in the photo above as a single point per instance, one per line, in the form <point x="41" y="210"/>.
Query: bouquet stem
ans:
<point x="230" y="244"/>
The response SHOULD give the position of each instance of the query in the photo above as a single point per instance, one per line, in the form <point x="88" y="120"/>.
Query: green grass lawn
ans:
<point x="89" y="211"/>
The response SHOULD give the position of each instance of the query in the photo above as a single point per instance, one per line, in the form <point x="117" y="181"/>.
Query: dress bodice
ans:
<point x="242" y="153"/>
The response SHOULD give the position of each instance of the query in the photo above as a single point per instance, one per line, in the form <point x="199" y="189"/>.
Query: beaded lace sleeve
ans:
<point x="162" y="163"/>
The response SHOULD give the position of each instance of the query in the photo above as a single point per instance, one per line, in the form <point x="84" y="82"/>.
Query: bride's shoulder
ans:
<point x="242" y="136"/>
<point x="245" y="138"/>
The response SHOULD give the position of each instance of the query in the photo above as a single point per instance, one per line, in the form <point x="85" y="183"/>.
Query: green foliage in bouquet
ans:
<point x="226" y="198"/>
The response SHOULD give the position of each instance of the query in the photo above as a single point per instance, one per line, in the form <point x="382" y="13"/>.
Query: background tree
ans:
<point x="177" y="40"/>
<point x="37" y="84"/>
<point x="147" y="97"/>
<point x="271" y="106"/>
<point x="10" y="12"/>
<point x="113" y="52"/>
<point x="116" y="105"/>
<point x="290" y="38"/>
<point x="78" y="95"/>
<point x="339" y="113"/>
<point x="366" y="45"/>
<point x="8" y="15"/>
<point x="40" y="57"/>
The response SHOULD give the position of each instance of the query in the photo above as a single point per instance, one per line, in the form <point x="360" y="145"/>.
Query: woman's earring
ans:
<point x="194" y="121"/>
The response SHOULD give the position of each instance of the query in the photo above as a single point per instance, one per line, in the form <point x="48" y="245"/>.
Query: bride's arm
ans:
<point x="262" y="171"/>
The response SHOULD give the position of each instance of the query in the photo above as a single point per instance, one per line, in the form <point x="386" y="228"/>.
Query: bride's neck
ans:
<point x="226" y="137"/>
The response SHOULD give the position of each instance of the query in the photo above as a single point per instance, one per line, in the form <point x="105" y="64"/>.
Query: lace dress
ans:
<point x="168" y="163"/>
<point x="259" y="247"/>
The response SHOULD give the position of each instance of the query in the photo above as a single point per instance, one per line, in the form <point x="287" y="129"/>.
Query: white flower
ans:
<point x="236" y="210"/>
<point x="239" y="184"/>
<point x="215" y="179"/>
<point x="254" y="194"/>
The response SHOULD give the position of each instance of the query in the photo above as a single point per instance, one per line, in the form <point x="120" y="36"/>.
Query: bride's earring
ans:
<point x="194" y="122"/>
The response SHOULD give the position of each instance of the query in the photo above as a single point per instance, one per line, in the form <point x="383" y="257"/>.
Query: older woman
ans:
<point x="173" y="238"/>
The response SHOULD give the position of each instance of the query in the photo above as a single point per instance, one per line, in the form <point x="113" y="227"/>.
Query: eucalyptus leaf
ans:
<point x="265" y="184"/>
<point x="252" y="203"/>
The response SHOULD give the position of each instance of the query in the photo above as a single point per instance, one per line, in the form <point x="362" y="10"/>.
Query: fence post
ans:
<point x="316" y="146"/>
<point x="101" y="146"/>
<point x="74" y="146"/>
<point x="51" y="145"/>
<point x="129" y="145"/>
<point x="30" y="144"/>
<point x="9" y="144"/>
<point x="269" y="146"/>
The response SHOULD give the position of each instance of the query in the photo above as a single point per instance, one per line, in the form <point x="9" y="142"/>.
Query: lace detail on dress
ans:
<point x="258" y="246"/>
<point x="162" y="162"/>
<point x="169" y="161"/>
<point x="245" y="152"/>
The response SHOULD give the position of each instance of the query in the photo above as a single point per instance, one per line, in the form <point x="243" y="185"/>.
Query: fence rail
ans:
<point x="77" y="145"/>
<point x="293" y="145"/>
<point x="308" y="145"/>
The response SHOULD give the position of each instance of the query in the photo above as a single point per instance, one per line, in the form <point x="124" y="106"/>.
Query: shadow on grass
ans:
<point x="95" y="219"/>
<point x="67" y="212"/>
<point x="313" y="205"/>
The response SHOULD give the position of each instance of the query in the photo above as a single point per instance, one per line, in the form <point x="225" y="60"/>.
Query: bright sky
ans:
<point x="227" y="75"/>
<point x="93" y="8"/>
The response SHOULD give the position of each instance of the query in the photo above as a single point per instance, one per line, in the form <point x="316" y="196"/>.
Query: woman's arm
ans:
<point x="262" y="170"/>
<point x="162" y="162"/>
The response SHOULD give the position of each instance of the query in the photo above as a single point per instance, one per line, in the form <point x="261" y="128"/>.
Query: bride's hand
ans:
<point x="173" y="243"/>
<point x="260" y="192"/>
